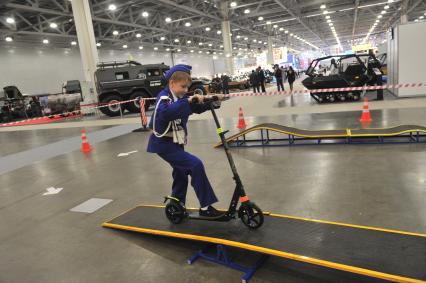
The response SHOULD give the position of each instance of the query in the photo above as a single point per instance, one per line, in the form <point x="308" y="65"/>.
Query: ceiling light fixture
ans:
<point x="10" y="20"/>
<point x="187" y="24"/>
<point x="112" y="7"/>
<point x="138" y="35"/>
<point x="168" y="20"/>
<point x="247" y="11"/>
<point x="73" y="43"/>
<point x="8" y="39"/>
<point x="53" y="25"/>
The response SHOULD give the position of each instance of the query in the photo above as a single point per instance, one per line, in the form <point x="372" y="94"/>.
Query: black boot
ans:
<point x="211" y="212"/>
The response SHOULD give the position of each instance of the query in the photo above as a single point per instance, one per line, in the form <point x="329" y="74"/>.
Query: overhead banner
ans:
<point x="280" y="55"/>
<point x="362" y="47"/>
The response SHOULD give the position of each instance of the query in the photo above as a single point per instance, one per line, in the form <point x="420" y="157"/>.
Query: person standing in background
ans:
<point x="225" y="83"/>
<point x="279" y="77"/>
<point x="254" y="81"/>
<point x="291" y="76"/>
<point x="261" y="77"/>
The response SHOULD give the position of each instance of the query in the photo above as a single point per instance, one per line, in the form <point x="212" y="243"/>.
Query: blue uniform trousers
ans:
<point x="184" y="164"/>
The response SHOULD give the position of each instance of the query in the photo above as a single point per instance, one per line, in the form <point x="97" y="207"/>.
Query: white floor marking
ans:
<point x="91" y="205"/>
<point x="126" y="153"/>
<point x="52" y="191"/>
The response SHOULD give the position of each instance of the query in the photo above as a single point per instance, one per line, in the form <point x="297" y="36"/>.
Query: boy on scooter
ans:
<point x="169" y="128"/>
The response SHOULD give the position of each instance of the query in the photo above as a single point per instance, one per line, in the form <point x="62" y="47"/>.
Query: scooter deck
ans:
<point x="375" y="252"/>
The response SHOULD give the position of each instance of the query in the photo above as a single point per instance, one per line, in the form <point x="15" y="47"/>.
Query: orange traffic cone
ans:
<point x="241" y="122"/>
<point x="365" y="117"/>
<point x="85" y="145"/>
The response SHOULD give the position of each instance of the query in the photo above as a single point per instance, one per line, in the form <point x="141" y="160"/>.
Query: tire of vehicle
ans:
<point x="242" y="87"/>
<point x="113" y="110"/>
<point x="198" y="89"/>
<point x="134" y="105"/>
<point x="330" y="97"/>
<point x="341" y="97"/>
<point x="356" y="96"/>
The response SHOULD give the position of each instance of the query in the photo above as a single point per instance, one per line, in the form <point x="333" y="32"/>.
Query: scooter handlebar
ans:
<point x="211" y="98"/>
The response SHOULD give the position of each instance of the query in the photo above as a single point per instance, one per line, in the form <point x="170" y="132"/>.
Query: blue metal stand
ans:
<point x="223" y="259"/>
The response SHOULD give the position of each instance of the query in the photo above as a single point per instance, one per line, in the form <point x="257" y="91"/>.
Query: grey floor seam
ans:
<point x="18" y="160"/>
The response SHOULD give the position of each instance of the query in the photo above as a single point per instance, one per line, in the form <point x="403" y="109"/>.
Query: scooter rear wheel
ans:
<point x="175" y="212"/>
<point x="251" y="215"/>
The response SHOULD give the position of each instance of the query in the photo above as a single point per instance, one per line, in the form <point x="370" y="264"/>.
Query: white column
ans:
<point x="404" y="7"/>
<point x="227" y="42"/>
<point x="270" y="54"/>
<point x="270" y="57"/>
<point x="86" y="42"/>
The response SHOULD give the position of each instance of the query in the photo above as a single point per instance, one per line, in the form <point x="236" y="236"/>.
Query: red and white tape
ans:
<point x="337" y="89"/>
<point x="65" y="115"/>
<point x="241" y="94"/>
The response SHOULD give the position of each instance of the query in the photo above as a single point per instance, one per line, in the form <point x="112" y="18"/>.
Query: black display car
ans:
<point x="128" y="80"/>
<point x="341" y="71"/>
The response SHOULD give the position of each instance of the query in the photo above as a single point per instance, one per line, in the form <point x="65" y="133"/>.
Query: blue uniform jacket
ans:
<point x="168" y="111"/>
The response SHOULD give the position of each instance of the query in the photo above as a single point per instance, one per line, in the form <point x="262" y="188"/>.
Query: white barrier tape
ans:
<point x="63" y="115"/>
<point x="115" y="103"/>
<point x="270" y="93"/>
<point x="342" y="89"/>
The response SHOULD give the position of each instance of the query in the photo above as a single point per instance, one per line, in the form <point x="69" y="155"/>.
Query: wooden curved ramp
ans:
<point x="261" y="135"/>
<point x="391" y="255"/>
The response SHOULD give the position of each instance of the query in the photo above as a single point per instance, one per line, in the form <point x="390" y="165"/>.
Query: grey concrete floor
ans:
<point x="16" y="141"/>
<point x="42" y="241"/>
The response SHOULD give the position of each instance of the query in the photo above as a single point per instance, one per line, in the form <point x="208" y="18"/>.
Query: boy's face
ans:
<point x="179" y="88"/>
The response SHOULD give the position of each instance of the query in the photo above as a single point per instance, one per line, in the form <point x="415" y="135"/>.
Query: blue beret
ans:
<point x="179" y="67"/>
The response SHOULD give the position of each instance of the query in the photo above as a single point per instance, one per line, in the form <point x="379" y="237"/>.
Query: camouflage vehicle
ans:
<point x="127" y="80"/>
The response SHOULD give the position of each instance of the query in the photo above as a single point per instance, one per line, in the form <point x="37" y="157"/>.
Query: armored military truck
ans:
<point x="127" y="80"/>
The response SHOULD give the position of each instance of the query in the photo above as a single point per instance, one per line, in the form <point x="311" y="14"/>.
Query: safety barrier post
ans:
<point x="144" y="120"/>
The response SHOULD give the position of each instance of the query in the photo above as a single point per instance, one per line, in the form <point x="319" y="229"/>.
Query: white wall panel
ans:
<point x="43" y="70"/>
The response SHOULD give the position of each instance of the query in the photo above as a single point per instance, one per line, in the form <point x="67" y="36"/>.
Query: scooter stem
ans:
<point x="221" y="134"/>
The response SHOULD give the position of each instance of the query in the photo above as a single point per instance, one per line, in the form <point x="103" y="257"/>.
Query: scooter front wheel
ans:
<point x="251" y="215"/>
<point x="175" y="212"/>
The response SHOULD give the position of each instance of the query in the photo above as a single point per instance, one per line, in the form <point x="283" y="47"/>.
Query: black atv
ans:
<point x="340" y="71"/>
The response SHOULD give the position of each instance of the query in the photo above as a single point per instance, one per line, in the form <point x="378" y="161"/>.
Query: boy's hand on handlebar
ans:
<point x="220" y="97"/>
<point x="196" y="98"/>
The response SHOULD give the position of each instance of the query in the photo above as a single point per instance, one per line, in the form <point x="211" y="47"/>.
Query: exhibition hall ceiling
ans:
<point x="196" y="24"/>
